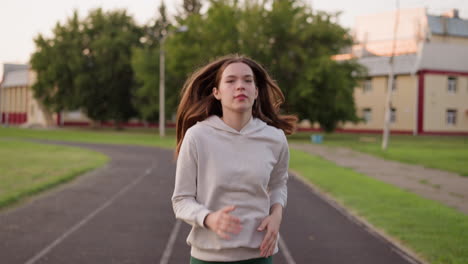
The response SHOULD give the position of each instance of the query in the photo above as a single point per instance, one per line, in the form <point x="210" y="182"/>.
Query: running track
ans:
<point x="121" y="213"/>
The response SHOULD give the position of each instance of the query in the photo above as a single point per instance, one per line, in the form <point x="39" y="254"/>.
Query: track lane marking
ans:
<point x="170" y="244"/>
<point x="85" y="220"/>
<point x="286" y="253"/>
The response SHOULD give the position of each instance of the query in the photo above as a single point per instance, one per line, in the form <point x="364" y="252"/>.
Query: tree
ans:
<point x="86" y="65"/>
<point x="209" y="35"/>
<point x="297" y="44"/>
<point x="145" y="63"/>
<point x="53" y="61"/>
<point x="294" y="42"/>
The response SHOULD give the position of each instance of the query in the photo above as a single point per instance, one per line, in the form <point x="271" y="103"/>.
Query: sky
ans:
<point x="22" y="20"/>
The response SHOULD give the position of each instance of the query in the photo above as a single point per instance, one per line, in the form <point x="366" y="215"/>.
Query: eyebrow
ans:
<point x="235" y="76"/>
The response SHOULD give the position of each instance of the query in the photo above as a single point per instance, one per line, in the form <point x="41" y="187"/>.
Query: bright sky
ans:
<point x="22" y="20"/>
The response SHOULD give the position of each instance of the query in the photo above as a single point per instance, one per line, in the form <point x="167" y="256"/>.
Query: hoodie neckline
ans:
<point x="254" y="124"/>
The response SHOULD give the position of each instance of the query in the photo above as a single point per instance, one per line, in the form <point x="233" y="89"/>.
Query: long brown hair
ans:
<point x="198" y="102"/>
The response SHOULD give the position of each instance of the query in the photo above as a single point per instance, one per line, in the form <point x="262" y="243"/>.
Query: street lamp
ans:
<point x="162" y="63"/>
<point x="388" y="102"/>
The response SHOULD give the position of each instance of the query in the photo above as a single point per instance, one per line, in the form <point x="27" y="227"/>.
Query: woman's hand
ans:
<point x="272" y="225"/>
<point x="222" y="223"/>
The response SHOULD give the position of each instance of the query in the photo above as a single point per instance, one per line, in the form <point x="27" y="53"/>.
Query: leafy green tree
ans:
<point x="294" y="42"/>
<point x="86" y="65"/>
<point x="54" y="61"/>
<point x="297" y="45"/>
<point x="145" y="63"/>
<point x="209" y="35"/>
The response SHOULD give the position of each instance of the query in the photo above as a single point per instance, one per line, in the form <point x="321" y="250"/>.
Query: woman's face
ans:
<point x="237" y="91"/>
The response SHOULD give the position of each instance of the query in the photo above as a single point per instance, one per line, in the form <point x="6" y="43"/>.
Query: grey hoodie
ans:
<point x="219" y="166"/>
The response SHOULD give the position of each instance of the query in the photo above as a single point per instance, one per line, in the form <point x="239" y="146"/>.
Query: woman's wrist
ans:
<point x="276" y="210"/>
<point x="205" y="221"/>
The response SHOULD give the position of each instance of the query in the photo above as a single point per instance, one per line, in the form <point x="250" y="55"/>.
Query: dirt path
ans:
<point x="446" y="187"/>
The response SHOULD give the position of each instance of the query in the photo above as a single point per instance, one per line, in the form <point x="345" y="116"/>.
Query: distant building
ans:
<point x="18" y="107"/>
<point x="13" y="92"/>
<point x="430" y="93"/>
<point x="17" y="103"/>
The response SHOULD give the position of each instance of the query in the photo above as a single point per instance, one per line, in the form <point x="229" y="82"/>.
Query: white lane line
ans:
<point x="170" y="244"/>
<point x="86" y="219"/>
<point x="286" y="253"/>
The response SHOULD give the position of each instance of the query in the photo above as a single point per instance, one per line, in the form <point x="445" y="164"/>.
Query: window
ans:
<point x="367" y="85"/>
<point x="367" y="115"/>
<point x="393" y="115"/>
<point x="452" y="84"/>
<point x="451" y="117"/>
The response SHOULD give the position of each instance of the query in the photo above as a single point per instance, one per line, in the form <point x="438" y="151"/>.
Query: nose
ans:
<point x="240" y="85"/>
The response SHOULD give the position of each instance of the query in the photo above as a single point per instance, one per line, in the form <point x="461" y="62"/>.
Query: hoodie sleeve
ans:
<point x="184" y="202"/>
<point x="279" y="176"/>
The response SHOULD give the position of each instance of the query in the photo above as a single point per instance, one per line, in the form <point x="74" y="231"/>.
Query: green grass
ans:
<point x="25" y="170"/>
<point x="439" y="152"/>
<point x="435" y="231"/>
<point x="148" y="137"/>
<point x="28" y="168"/>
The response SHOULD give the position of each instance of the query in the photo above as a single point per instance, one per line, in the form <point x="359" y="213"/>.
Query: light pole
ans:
<point x="162" y="118"/>
<point x="388" y="102"/>
<point x="162" y="85"/>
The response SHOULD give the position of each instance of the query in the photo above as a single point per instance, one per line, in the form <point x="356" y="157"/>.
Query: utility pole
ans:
<point x="162" y="109"/>
<point x="388" y="102"/>
<point x="162" y="85"/>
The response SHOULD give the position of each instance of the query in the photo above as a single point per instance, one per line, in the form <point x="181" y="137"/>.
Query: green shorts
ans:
<point x="268" y="260"/>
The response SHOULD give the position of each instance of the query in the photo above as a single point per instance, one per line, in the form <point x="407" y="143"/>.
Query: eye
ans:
<point x="230" y="81"/>
<point x="249" y="81"/>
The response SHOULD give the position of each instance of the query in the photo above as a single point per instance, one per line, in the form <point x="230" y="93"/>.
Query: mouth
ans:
<point x="241" y="97"/>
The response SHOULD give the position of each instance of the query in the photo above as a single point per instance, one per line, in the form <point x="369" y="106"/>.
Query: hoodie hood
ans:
<point x="254" y="125"/>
